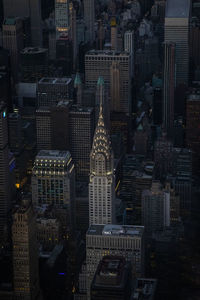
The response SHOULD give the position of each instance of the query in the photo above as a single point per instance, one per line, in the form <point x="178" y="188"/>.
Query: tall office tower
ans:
<point x="169" y="86"/>
<point x="155" y="208"/>
<point x="193" y="127"/>
<point x="129" y="46"/>
<point x="4" y="172"/>
<point x="98" y="63"/>
<point x="25" y="253"/>
<point x="89" y="17"/>
<point x="177" y="18"/>
<point x="60" y="126"/>
<point x="53" y="181"/>
<point x="101" y="35"/>
<point x="64" y="55"/>
<point x="112" y="279"/>
<point x="26" y="8"/>
<point x="61" y="17"/>
<point x="5" y="78"/>
<point x="163" y="152"/>
<point x="115" y="87"/>
<point x="51" y="90"/>
<point x="13" y="40"/>
<point x="15" y="132"/>
<point x="72" y="18"/>
<point x="195" y="43"/>
<point x="181" y="179"/>
<point x="81" y="131"/>
<point x="157" y="106"/>
<point x="43" y="128"/>
<point x="113" y="33"/>
<point x="174" y="204"/>
<point x="102" y="179"/>
<point x="33" y="64"/>
<point x="115" y="240"/>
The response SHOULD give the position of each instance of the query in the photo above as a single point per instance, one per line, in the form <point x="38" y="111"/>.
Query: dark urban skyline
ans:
<point x="99" y="149"/>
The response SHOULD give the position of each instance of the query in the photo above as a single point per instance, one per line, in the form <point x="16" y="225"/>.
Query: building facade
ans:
<point x="102" y="179"/>
<point x="25" y="253"/>
<point x="117" y="240"/>
<point x="177" y="17"/>
<point x="99" y="63"/>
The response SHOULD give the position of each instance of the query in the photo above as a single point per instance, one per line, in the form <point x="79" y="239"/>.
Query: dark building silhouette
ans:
<point x="112" y="279"/>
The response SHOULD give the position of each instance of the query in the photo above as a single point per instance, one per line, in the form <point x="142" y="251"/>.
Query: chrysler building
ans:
<point x="102" y="179"/>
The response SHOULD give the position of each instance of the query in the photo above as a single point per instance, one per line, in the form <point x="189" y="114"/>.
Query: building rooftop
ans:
<point x="144" y="289"/>
<point x="33" y="50"/>
<point x="116" y="230"/>
<point x="10" y="21"/>
<point x="177" y="9"/>
<point x="107" y="53"/>
<point x="80" y="109"/>
<point x="110" y="272"/>
<point x="53" y="154"/>
<point x="53" y="80"/>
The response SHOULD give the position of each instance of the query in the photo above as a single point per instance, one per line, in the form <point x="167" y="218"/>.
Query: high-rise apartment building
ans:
<point x="61" y="17"/>
<point x="25" y="253"/>
<point x="53" y="183"/>
<point x="99" y="63"/>
<point x="30" y="9"/>
<point x="169" y="85"/>
<point x="117" y="240"/>
<point x="81" y="131"/>
<point x="4" y="171"/>
<point x="13" y="40"/>
<point x="177" y="19"/>
<point x="102" y="179"/>
<point x="89" y="17"/>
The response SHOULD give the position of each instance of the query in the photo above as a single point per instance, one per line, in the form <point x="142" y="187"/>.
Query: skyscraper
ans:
<point x="81" y="131"/>
<point x="4" y="171"/>
<point x="129" y="46"/>
<point x="169" y="85"/>
<point x="89" y="17"/>
<point x="26" y="8"/>
<point x="13" y="40"/>
<point x="193" y="127"/>
<point x="25" y="253"/>
<point x="99" y="63"/>
<point x="53" y="182"/>
<point x="102" y="179"/>
<point x="177" y="19"/>
<point x="155" y="208"/>
<point x="61" y="17"/>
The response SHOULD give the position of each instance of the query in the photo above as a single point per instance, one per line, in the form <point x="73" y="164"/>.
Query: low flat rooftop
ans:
<point x="53" y="80"/>
<point x="33" y="50"/>
<point x="81" y="109"/>
<point x="107" y="53"/>
<point x="117" y="230"/>
<point x="177" y="9"/>
<point x="53" y="154"/>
